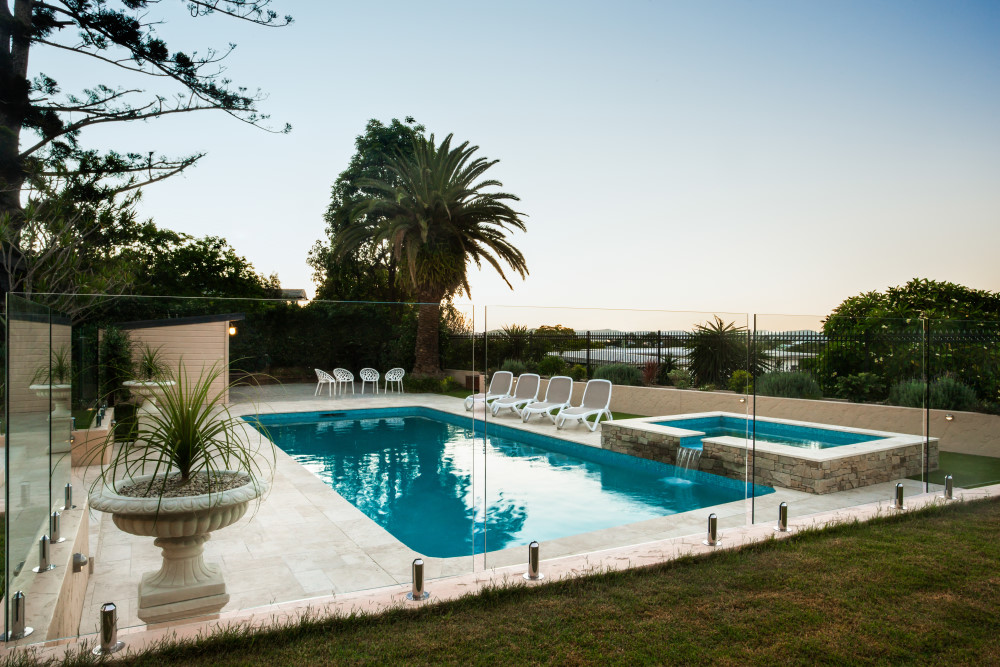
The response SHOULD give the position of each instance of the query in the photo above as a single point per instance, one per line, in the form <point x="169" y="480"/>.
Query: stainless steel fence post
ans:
<point x="109" y="631"/>
<point x="55" y="537"/>
<point x="418" y="593"/>
<point x="713" y="531"/>
<point x="17" y="619"/>
<point x="782" y="526"/>
<point x="43" y="556"/>
<point x="897" y="504"/>
<point x="533" y="574"/>
<point x="69" y="498"/>
<point x="949" y="488"/>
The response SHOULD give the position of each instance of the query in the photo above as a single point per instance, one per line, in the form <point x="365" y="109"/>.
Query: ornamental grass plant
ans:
<point x="191" y="435"/>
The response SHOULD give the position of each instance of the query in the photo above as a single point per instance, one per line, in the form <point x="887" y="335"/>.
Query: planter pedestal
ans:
<point x="184" y="586"/>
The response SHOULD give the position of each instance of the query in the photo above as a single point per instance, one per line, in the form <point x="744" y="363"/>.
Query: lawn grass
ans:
<point x="967" y="470"/>
<point x="83" y="417"/>
<point x="916" y="588"/>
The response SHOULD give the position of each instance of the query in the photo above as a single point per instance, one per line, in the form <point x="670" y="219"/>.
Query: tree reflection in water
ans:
<point x="415" y="481"/>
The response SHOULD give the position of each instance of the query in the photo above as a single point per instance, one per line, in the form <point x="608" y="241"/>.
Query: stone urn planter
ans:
<point x="185" y="585"/>
<point x="60" y="394"/>
<point x="148" y="390"/>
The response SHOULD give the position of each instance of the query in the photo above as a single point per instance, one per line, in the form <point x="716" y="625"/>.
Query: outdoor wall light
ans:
<point x="949" y="418"/>
<point x="232" y="330"/>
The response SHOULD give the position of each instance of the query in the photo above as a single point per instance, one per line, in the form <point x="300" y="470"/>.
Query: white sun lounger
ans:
<point x="596" y="399"/>
<point x="525" y="392"/>
<point x="499" y="388"/>
<point x="557" y="396"/>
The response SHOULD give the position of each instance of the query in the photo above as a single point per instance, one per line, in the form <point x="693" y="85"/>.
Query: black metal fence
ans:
<point x="872" y="364"/>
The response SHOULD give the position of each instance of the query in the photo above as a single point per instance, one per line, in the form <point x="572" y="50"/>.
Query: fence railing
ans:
<point x="875" y="359"/>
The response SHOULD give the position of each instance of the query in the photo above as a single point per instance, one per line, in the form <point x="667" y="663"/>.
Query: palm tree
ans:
<point x="717" y="349"/>
<point x="435" y="221"/>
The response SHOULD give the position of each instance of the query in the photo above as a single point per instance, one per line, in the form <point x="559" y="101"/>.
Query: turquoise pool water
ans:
<point x="794" y="435"/>
<point x="436" y="485"/>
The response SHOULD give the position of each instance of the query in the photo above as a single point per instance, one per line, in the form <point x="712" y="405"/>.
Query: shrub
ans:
<point x="578" y="372"/>
<point x="650" y="372"/>
<point x="788" y="385"/>
<point x="667" y="364"/>
<point x="449" y="384"/>
<point x="515" y="366"/>
<point x="551" y="365"/>
<point x="741" y="382"/>
<point x="619" y="374"/>
<point x="861" y="388"/>
<point x="947" y="393"/>
<point x="116" y="364"/>
<point x="431" y="385"/>
<point x="679" y="378"/>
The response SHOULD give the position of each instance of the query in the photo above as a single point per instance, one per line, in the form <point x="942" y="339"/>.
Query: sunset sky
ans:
<point x="770" y="157"/>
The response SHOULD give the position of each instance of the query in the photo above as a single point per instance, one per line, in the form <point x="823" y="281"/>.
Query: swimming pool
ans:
<point x="778" y="433"/>
<point x="432" y="481"/>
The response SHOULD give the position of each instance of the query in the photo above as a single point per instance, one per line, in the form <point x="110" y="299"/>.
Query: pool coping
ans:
<point x="887" y="441"/>
<point x="600" y="539"/>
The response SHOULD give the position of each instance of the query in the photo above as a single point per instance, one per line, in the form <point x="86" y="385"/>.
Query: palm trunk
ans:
<point x="428" y="361"/>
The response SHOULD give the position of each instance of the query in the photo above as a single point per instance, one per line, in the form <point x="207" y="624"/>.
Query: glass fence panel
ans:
<point x="839" y="415"/>
<point x="32" y="399"/>
<point x="635" y="478"/>
<point x="368" y="465"/>
<point x="964" y="400"/>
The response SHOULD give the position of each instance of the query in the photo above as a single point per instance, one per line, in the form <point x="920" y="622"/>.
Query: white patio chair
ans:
<point x="499" y="387"/>
<point x="557" y="396"/>
<point x="343" y="377"/>
<point x="525" y="391"/>
<point x="596" y="399"/>
<point x="322" y="377"/>
<point x="369" y="375"/>
<point x="394" y="376"/>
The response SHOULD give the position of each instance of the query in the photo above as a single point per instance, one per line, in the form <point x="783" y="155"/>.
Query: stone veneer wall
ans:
<point x="837" y="474"/>
<point x="640" y="442"/>
<point x="772" y="469"/>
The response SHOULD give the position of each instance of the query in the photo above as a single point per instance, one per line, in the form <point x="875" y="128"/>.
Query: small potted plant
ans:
<point x="193" y="468"/>
<point x="55" y="379"/>
<point x="151" y="375"/>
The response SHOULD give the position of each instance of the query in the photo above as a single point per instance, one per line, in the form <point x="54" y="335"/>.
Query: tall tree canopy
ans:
<point x="369" y="272"/>
<point x="882" y="333"/>
<point x="435" y="218"/>
<point x="918" y="298"/>
<point x="116" y="36"/>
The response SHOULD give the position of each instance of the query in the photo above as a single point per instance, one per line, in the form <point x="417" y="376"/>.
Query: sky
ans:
<point x="739" y="157"/>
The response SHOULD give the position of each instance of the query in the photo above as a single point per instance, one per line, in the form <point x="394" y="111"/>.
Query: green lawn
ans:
<point x="916" y="588"/>
<point x="83" y="417"/>
<point x="967" y="470"/>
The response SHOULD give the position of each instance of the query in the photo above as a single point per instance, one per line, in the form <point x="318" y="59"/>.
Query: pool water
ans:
<point x="794" y="435"/>
<point x="423" y="476"/>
